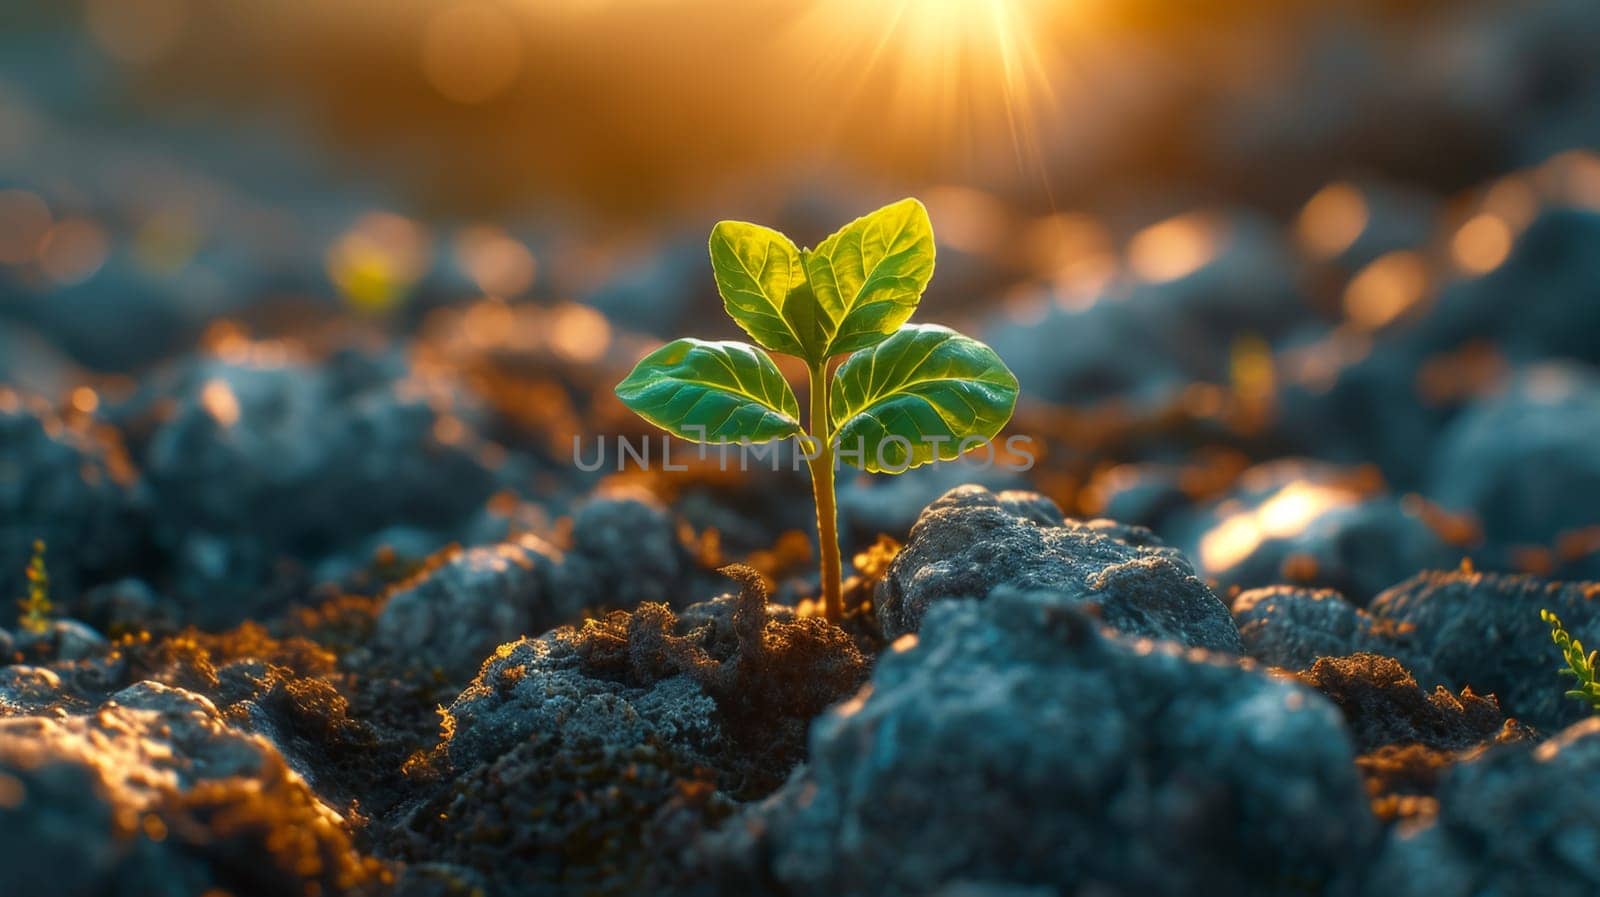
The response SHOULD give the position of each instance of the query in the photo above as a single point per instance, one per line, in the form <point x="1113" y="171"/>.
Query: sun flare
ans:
<point x="948" y="69"/>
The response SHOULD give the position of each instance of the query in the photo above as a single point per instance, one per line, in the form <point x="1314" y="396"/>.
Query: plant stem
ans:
<point x="822" y="489"/>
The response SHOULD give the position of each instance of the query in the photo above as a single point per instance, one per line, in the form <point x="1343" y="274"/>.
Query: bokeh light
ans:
<point x="1481" y="244"/>
<point x="497" y="262"/>
<point x="1285" y="513"/>
<point x="376" y="261"/>
<point x="73" y="250"/>
<point x="1332" y="220"/>
<point x="1385" y="289"/>
<point x="1176" y="247"/>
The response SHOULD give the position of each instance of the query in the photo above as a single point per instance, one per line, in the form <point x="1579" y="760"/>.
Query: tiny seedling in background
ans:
<point x="1580" y="666"/>
<point x="907" y="395"/>
<point x="35" y="616"/>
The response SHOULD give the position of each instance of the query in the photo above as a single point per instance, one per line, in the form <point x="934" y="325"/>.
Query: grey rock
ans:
<point x="1517" y="820"/>
<point x="1457" y="629"/>
<point x="1147" y="345"/>
<point x="1143" y="494"/>
<point x="656" y="292"/>
<point x="1014" y="742"/>
<point x="151" y="320"/>
<point x="128" y="605"/>
<point x="993" y="889"/>
<point x="1483" y="630"/>
<point x="1354" y="400"/>
<point x="540" y="686"/>
<point x="67" y="482"/>
<point x="1372" y="411"/>
<point x="26" y="689"/>
<point x="731" y="686"/>
<point x="259" y="463"/>
<point x="63" y="838"/>
<point x="1525" y="461"/>
<point x="452" y="615"/>
<point x="69" y="640"/>
<point x="438" y="880"/>
<point x="1554" y="275"/>
<point x="31" y="363"/>
<point x="1032" y="507"/>
<point x="155" y="755"/>
<point x="1290" y="627"/>
<point x="625" y="550"/>
<point x="871" y="505"/>
<point x="144" y="739"/>
<point x="971" y="541"/>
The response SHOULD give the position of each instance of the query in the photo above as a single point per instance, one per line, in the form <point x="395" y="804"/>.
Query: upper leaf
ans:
<point x="712" y="392"/>
<point x="758" y="269"/>
<point x="866" y="279"/>
<point x="924" y="381"/>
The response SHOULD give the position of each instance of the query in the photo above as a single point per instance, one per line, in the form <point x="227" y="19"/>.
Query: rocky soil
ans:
<point x="334" y="612"/>
<point x="348" y="622"/>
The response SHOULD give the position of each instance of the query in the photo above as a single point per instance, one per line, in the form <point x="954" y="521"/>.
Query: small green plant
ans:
<point x="1580" y="666"/>
<point x="36" y="608"/>
<point x="907" y="395"/>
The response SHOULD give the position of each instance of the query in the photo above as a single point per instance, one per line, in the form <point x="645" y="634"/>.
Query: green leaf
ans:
<point x="867" y="278"/>
<point x="924" y="381"/>
<point x="760" y="276"/>
<point x="712" y="392"/>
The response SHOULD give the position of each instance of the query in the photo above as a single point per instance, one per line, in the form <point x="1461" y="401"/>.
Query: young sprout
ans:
<point x="1580" y="666"/>
<point x="907" y="395"/>
<point x="36" y="608"/>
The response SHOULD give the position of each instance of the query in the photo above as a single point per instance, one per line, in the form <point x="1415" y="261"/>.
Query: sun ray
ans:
<point x="944" y="73"/>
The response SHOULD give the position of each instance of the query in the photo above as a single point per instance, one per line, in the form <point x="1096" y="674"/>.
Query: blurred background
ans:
<point x="1311" y="287"/>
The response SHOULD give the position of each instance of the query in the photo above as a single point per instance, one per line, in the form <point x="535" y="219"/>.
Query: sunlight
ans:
<point x="1285" y="514"/>
<point x="953" y="65"/>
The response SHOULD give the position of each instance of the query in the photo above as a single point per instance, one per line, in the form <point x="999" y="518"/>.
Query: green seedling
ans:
<point x="35" y="616"/>
<point x="907" y="395"/>
<point x="1580" y="666"/>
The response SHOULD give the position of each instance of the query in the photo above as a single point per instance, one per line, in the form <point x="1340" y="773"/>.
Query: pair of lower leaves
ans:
<point x="907" y="401"/>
